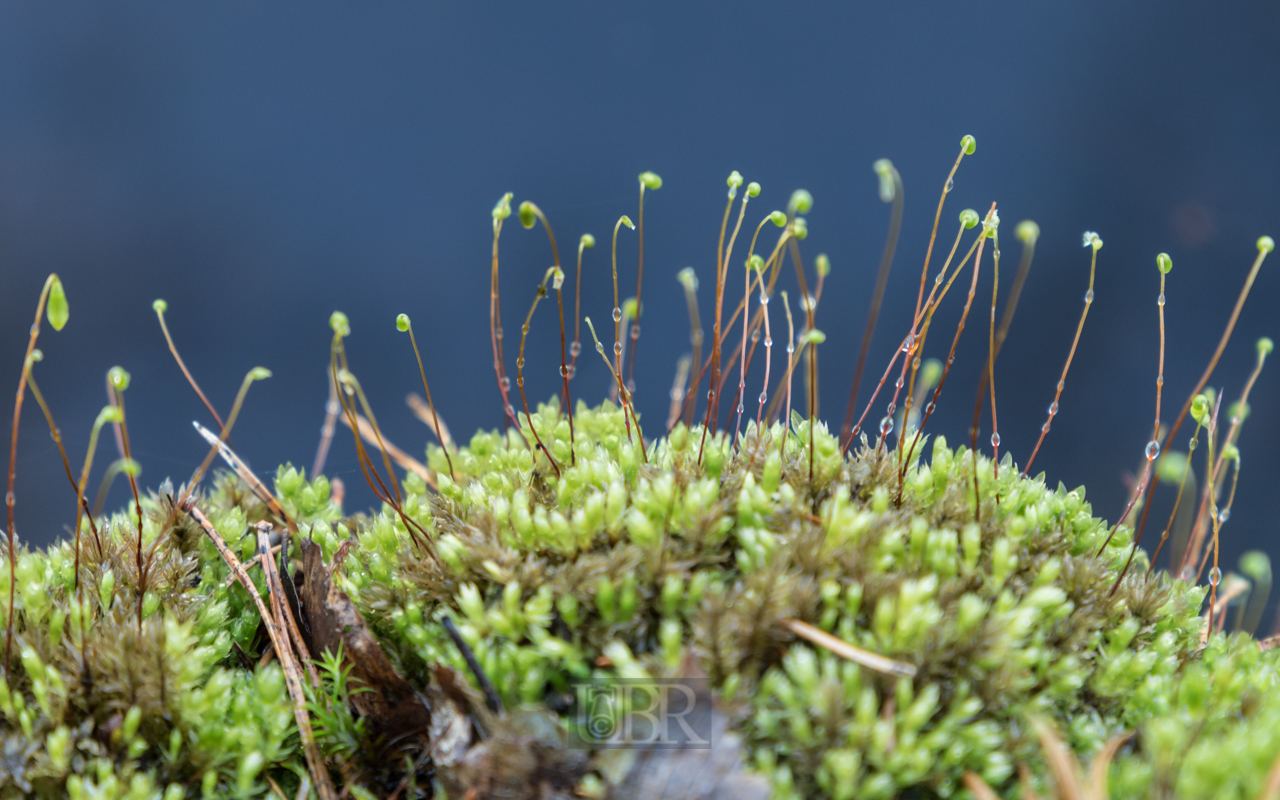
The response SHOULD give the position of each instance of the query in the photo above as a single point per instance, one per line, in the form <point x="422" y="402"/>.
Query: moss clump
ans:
<point x="622" y="566"/>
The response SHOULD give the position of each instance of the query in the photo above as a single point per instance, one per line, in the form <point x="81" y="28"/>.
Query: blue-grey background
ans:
<point x="258" y="166"/>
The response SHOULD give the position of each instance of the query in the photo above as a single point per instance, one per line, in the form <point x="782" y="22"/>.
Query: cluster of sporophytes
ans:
<point x="875" y="614"/>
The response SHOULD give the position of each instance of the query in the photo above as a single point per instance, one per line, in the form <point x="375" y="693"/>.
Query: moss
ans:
<point x="620" y="567"/>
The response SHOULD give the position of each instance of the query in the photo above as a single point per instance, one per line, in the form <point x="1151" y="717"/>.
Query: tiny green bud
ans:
<point x="969" y="218"/>
<point x="823" y="265"/>
<point x="109" y="414"/>
<point x="588" y="241"/>
<point x="57" y="306"/>
<point x="338" y="321"/>
<point x="815" y="337"/>
<point x="1091" y="239"/>
<point x="119" y="378"/>
<point x="527" y="217"/>
<point x="1200" y="409"/>
<point x="1265" y="346"/>
<point x="688" y="278"/>
<point x="800" y="228"/>
<point x="801" y="202"/>
<point x="1027" y="231"/>
<point x="259" y="373"/>
<point x="753" y="189"/>
<point x="650" y="181"/>
<point x="884" y="169"/>
<point x="627" y="221"/>
<point x="968" y="144"/>
<point x="735" y="179"/>
<point x="755" y="262"/>
<point x="1266" y="244"/>
<point x="778" y="218"/>
<point x="502" y="209"/>
<point x="402" y="322"/>
<point x="159" y="306"/>
<point x="1164" y="263"/>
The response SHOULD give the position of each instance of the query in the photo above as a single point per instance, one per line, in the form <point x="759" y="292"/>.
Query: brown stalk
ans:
<point x="882" y="279"/>
<point x="716" y="342"/>
<point x="427" y="417"/>
<point x="435" y="420"/>
<point x="1213" y="363"/>
<point x="500" y="212"/>
<point x="160" y="307"/>
<point x="245" y="474"/>
<point x="331" y="409"/>
<point x="524" y="335"/>
<point x="401" y="458"/>
<point x="678" y="390"/>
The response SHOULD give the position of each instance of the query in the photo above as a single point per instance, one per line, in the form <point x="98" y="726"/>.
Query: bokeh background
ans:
<point x="261" y="165"/>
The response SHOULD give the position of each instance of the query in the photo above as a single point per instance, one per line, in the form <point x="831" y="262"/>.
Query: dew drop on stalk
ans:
<point x="740" y="408"/>
<point x="564" y="371"/>
<point x="1215" y="576"/>
<point x="764" y="299"/>
<point x="951" y="184"/>
<point x="1060" y="385"/>
<point x="520" y="362"/>
<point x="995" y="440"/>
<point x="1044" y="428"/>
<point x="635" y="331"/>
<point x="1088" y="296"/>
<point x="764" y="396"/>
<point x="768" y="341"/>
<point x="1160" y="300"/>
<point x="617" y="314"/>
<point x="617" y="348"/>
<point x="1153" y="450"/>
<point x="755" y="336"/>
<point x="791" y="348"/>
<point x="572" y="371"/>
<point x="906" y="346"/>
<point x="1223" y="516"/>
<point x="898" y="382"/>
<point x="575" y="349"/>
<point x="505" y="383"/>
<point x="1053" y="408"/>
<point x="497" y="332"/>
<point x="892" y="408"/>
<point x="886" y="425"/>
<point x="511" y="410"/>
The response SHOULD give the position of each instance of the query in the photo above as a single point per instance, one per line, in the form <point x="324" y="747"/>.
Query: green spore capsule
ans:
<point x="625" y="220"/>
<point x="159" y="306"/>
<point x="968" y="144"/>
<point x="1265" y="346"/>
<point x="338" y="321"/>
<point x="755" y="262"/>
<point x="884" y="170"/>
<point x="1164" y="263"/>
<point x="823" y="265"/>
<point x="778" y="218"/>
<point x="588" y="241"/>
<point x="735" y="179"/>
<point x="650" y="181"/>
<point x="801" y="202"/>
<point x="259" y="373"/>
<point x="402" y="322"/>
<point x="502" y="209"/>
<point x="1266" y="244"/>
<point x="57" y="308"/>
<point x="1027" y="231"/>
<point x="969" y="218"/>
<point x="119" y="378"/>
<point x="1091" y="239"/>
<point x="753" y="189"/>
<point x="527" y="217"/>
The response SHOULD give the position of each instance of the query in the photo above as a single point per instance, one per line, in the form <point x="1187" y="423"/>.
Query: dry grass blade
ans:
<point x="403" y="459"/>
<point x="279" y="640"/>
<point x="1269" y="643"/>
<point x="1065" y="768"/>
<point x="1102" y="765"/>
<point x="245" y="474"/>
<point x="331" y="409"/>
<point x="422" y="411"/>
<point x="845" y="650"/>
<point x="979" y="787"/>
<point x="248" y="565"/>
<point x="283" y="617"/>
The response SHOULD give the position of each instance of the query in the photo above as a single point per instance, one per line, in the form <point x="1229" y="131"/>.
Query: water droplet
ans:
<point x="995" y="439"/>
<point x="505" y="383"/>
<point x="564" y="371"/>
<point x="898" y="383"/>
<point x="892" y="408"/>
<point x="764" y="299"/>
<point x="906" y="345"/>
<point x="768" y="341"/>
<point x="520" y="362"/>
<point x="8" y="497"/>
<point x="617" y="348"/>
<point x="1088" y="296"/>
<point x="1191" y="445"/>
<point x="1215" y="576"/>
<point x="1224" y="515"/>
<point x="997" y="253"/>
<point x="617" y="314"/>
<point x="575" y="349"/>
<point x="1044" y="428"/>
<point x="1053" y="408"/>
<point x="755" y="336"/>
<point x="886" y="425"/>
<point x="599" y="347"/>
<point x="498" y="332"/>
<point x="951" y="184"/>
<point x="572" y="371"/>
<point x="635" y="331"/>
<point x="1160" y="300"/>
<point x="929" y="408"/>
<point x="1060" y="385"/>
<point x="511" y="410"/>
<point x="791" y="349"/>
<point x="915" y="362"/>
<point x="1153" y="450"/>
<point x="764" y="396"/>
<point x="740" y="408"/>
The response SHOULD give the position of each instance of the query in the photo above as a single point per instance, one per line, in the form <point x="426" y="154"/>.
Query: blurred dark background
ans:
<point x="259" y="166"/>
